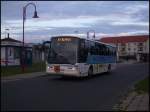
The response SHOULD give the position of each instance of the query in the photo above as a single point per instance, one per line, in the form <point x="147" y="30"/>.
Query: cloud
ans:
<point x="41" y="38"/>
<point x="135" y="8"/>
<point x="39" y="25"/>
<point x="140" y="32"/>
<point x="130" y="23"/>
<point x="80" y="21"/>
<point x="100" y="35"/>
<point x="134" y="33"/>
<point x="69" y="22"/>
<point x="65" y="17"/>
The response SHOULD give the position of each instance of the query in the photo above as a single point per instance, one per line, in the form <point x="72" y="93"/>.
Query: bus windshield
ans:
<point x="63" y="51"/>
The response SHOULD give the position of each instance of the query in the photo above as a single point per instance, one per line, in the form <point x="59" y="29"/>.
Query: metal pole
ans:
<point x="6" y="53"/>
<point x="23" y="41"/>
<point x="6" y="62"/>
<point x="24" y="17"/>
<point x="88" y="34"/>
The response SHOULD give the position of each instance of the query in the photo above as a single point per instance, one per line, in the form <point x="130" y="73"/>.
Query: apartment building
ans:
<point x="130" y="47"/>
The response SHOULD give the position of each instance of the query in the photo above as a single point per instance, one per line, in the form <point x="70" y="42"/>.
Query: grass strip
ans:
<point x="13" y="70"/>
<point x="142" y="86"/>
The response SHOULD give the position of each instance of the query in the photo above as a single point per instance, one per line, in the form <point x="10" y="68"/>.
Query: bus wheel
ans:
<point x="90" y="72"/>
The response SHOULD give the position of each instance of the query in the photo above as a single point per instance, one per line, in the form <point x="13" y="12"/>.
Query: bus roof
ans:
<point x="85" y="39"/>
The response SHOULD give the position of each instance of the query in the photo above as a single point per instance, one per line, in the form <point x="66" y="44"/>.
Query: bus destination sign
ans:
<point x="64" y="39"/>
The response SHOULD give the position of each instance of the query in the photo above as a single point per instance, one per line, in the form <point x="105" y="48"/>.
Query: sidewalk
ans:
<point x="139" y="103"/>
<point x="130" y="62"/>
<point x="22" y="76"/>
<point x="134" y="102"/>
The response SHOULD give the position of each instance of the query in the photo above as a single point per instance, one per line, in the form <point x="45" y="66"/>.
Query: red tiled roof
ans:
<point x="10" y="40"/>
<point x="125" y="39"/>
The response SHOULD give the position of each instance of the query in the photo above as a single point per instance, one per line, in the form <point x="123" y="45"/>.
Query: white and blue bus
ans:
<point x="75" y="56"/>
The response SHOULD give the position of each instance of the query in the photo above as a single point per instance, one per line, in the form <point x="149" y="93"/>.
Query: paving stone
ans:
<point x="132" y="108"/>
<point x="127" y="100"/>
<point x="140" y="103"/>
<point x="143" y="107"/>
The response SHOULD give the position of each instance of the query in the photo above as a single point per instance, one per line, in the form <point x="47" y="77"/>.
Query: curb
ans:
<point x="22" y="76"/>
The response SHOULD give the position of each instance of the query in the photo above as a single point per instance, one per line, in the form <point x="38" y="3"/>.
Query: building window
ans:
<point x="123" y="49"/>
<point x="140" y="44"/>
<point x="140" y="49"/>
<point x="10" y="52"/>
<point x="122" y="44"/>
<point x="17" y="53"/>
<point x="128" y="49"/>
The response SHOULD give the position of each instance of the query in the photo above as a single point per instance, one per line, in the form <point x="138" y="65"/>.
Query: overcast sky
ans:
<point x="106" y="18"/>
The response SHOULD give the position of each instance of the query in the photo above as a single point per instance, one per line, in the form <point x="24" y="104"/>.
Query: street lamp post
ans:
<point x="24" y="17"/>
<point x="89" y="33"/>
<point x="7" y="33"/>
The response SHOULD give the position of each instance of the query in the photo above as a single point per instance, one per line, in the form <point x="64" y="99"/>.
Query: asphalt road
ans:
<point x="100" y="92"/>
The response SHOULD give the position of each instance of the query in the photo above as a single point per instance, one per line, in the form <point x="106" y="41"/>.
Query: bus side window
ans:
<point x="107" y="51"/>
<point x="101" y="49"/>
<point x="114" y="52"/>
<point x="104" y="50"/>
<point x="83" y="51"/>
<point x="111" y="52"/>
<point x="97" y="49"/>
<point x="92" y="50"/>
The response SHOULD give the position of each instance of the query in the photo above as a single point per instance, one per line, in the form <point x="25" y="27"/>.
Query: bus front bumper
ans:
<point x="64" y="73"/>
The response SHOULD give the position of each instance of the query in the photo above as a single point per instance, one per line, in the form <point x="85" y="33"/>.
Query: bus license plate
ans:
<point x="57" y="68"/>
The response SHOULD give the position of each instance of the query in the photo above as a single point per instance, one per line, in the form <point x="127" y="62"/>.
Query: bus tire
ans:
<point x="90" y="71"/>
